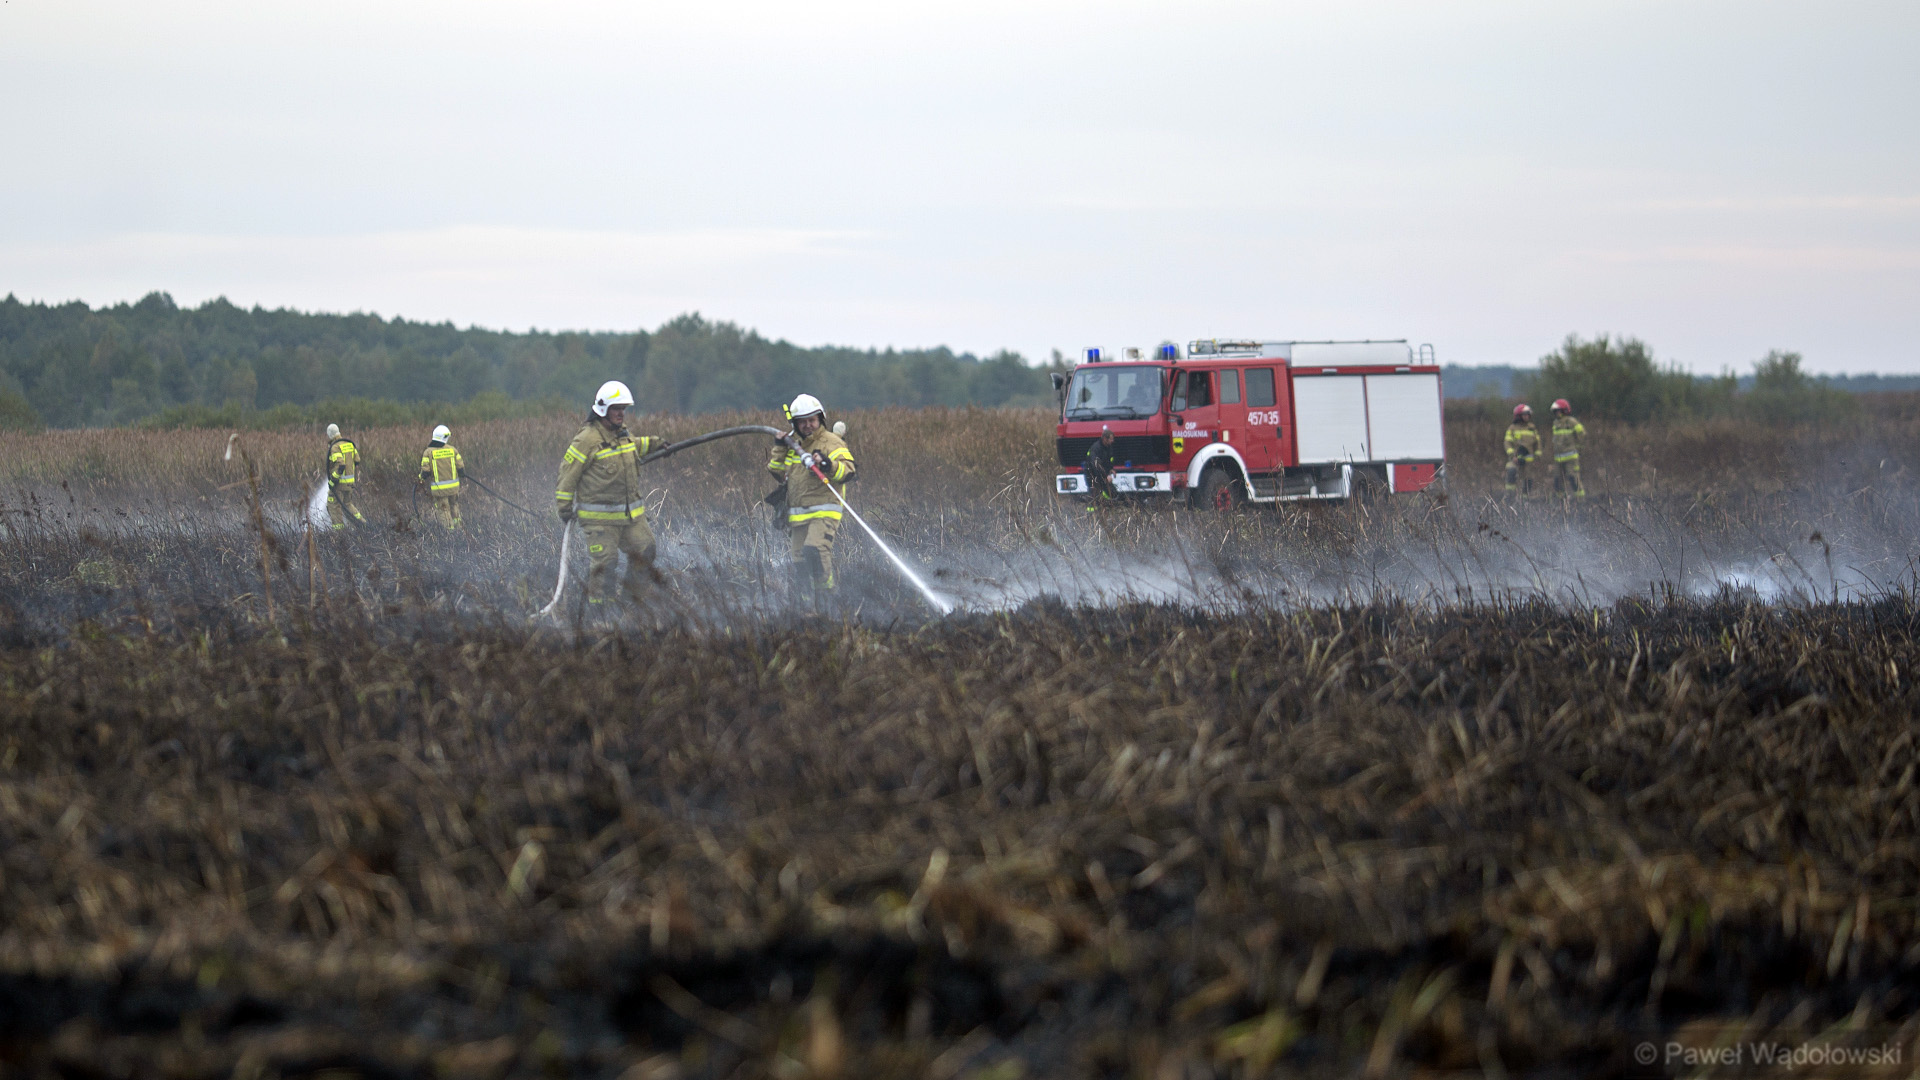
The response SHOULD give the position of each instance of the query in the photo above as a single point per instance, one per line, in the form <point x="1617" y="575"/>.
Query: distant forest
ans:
<point x="70" y="365"/>
<point x="153" y="362"/>
<point x="1498" y="380"/>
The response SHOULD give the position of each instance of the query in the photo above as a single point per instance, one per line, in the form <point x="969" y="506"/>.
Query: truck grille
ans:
<point x="1138" y="449"/>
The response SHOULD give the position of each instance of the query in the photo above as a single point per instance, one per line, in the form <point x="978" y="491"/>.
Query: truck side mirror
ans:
<point x="1059" y="382"/>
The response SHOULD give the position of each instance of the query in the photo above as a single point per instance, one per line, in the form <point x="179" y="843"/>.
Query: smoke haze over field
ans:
<point x="159" y="529"/>
<point x="1718" y="178"/>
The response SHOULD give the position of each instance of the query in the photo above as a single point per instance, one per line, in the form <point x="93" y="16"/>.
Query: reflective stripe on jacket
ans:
<point x="440" y="466"/>
<point x="1523" y="440"/>
<point x="808" y="499"/>
<point x="593" y="511"/>
<point x="600" y="475"/>
<point x="1568" y="432"/>
<point x="343" y="460"/>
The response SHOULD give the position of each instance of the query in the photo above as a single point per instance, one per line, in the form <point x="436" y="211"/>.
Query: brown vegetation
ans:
<point x="401" y="831"/>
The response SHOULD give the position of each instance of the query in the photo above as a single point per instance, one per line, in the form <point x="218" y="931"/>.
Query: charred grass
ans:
<point x="399" y="831"/>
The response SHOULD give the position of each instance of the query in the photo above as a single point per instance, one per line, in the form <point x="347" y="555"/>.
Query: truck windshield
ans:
<point x="1114" y="392"/>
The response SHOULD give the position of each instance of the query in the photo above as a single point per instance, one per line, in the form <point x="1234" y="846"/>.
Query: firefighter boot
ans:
<point x="1517" y="478"/>
<point x="1568" y="472"/>
<point x="641" y="574"/>
<point x="811" y="549"/>
<point x="812" y="576"/>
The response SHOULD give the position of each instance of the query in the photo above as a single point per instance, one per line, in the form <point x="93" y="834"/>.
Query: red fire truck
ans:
<point x="1226" y="422"/>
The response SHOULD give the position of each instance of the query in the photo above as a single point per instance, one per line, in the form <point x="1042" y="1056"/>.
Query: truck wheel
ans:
<point x="1369" y="487"/>
<point x="1221" y="490"/>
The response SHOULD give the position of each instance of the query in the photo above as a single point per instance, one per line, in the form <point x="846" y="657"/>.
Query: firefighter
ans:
<point x="600" y="488"/>
<point x="1099" y="467"/>
<point x="1523" y="445"/>
<point x="1568" y="434"/>
<point x="343" y="465"/>
<point x="440" y="466"/>
<point x="813" y="514"/>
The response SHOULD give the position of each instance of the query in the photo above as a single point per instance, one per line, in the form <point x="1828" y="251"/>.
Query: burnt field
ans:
<point x="1426" y="787"/>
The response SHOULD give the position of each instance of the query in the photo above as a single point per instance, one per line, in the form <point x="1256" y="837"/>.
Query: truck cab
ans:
<point x="1227" y="421"/>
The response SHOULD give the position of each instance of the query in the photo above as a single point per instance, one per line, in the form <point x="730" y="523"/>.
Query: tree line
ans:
<point x="155" y="363"/>
<point x="1619" y="379"/>
<point x="1501" y="380"/>
<point x="71" y="365"/>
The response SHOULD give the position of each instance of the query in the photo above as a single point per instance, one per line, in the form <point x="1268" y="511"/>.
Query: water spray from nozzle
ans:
<point x="933" y="599"/>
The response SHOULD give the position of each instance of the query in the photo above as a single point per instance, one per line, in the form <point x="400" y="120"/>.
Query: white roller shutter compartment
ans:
<point x="1330" y="418"/>
<point x="1405" y="411"/>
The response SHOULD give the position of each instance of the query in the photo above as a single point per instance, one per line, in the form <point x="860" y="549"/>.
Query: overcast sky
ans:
<point x="1717" y="178"/>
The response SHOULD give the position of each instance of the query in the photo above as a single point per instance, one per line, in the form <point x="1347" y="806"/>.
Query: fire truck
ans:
<point x="1224" y="422"/>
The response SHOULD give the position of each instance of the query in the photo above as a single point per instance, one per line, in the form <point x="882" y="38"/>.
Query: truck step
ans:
<point x="1301" y="483"/>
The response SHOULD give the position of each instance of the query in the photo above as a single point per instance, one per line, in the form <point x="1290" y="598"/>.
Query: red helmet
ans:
<point x="1522" y="410"/>
<point x="1560" y="405"/>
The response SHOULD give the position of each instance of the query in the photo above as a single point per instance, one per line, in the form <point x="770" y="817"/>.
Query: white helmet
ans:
<point x="840" y="427"/>
<point x="805" y="405"/>
<point x="333" y="431"/>
<point x="612" y="393"/>
<point x="442" y="433"/>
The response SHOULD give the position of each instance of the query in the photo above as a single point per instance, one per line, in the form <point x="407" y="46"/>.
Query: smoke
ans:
<point x="725" y="561"/>
<point x="1416" y="550"/>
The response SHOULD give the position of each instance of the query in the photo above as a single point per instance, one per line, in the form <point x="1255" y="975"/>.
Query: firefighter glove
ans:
<point x="566" y="512"/>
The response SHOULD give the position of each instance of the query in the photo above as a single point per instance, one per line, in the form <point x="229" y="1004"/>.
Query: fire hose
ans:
<point x="933" y="599"/>
<point x="495" y="494"/>
<point x="566" y="527"/>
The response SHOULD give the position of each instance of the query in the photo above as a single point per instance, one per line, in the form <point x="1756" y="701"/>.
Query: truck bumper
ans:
<point x="1126" y="483"/>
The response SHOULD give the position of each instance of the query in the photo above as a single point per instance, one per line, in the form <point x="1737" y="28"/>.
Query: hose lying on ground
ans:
<point x="497" y="495"/>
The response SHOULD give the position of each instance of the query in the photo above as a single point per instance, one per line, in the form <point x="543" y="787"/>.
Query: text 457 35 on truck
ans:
<point x="1225" y="422"/>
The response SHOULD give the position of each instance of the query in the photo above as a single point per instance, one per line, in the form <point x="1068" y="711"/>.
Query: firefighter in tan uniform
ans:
<point x="600" y="488"/>
<point x="813" y="514"/>
<point x="1523" y="445"/>
<point x="1568" y="434"/>
<point x="440" y="467"/>
<point x="343" y="468"/>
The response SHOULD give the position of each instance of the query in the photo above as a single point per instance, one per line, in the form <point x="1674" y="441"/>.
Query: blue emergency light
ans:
<point x="1169" y="351"/>
<point x="1092" y="355"/>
